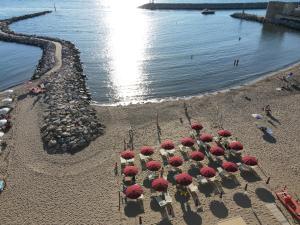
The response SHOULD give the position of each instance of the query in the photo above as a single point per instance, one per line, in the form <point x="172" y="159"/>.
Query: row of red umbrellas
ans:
<point x="204" y="171"/>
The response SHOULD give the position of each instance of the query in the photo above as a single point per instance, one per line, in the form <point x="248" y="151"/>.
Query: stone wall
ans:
<point x="279" y="8"/>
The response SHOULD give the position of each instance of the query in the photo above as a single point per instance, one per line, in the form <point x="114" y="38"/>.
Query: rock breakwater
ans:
<point x="69" y="122"/>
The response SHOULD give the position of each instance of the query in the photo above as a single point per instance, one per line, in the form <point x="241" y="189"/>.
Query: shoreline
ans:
<point x="263" y="76"/>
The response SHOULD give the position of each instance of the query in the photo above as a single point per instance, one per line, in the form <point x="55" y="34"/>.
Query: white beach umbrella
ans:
<point x="3" y="122"/>
<point x="4" y="111"/>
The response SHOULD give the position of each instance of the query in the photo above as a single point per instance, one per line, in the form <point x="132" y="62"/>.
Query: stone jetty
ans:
<point x="68" y="122"/>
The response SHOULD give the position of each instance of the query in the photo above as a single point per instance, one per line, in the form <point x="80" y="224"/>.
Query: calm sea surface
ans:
<point x="132" y="55"/>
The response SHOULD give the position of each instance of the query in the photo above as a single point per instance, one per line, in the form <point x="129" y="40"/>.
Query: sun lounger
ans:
<point x="168" y="198"/>
<point x="184" y="148"/>
<point x="223" y="173"/>
<point x="144" y="158"/>
<point x="202" y="180"/>
<point x="218" y="187"/>
<point x="152" y="176"/>
<point x="244" y="168"/>
<point x="160" y="201"/>
<point x="193" y="190"/>
<point x="124" y="162"/>
<point x="163" y="152"/>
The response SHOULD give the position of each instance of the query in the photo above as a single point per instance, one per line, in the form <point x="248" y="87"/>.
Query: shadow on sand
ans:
<point x="207" y="190"/>
<point x="250" y="177"/>
<point x="133" y="209"/>
<point x="229" y="184"/>
<point x="190" y="217"/>
<point x="193" y="171"/>
<point x="269" y="138"/>
<point x="242" y="200"/>
<point x="265" y="195"/>
<point x="154" y="205"/>
<point x="218" y="209"/>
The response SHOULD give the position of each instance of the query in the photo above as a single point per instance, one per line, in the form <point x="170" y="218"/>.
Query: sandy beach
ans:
<point x="82" y="188"/>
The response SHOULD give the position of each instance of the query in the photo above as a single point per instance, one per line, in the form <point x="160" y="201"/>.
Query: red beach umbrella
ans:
<point x="187" y="141"/>
<point x="206" y="137"/>
<point x="230" y="166"/>
<point x="249" y="160"/>
<point x="207" y="172"/>
<point x="217" y="150"/>
<point x="153" y="165"/>
<point x="197" y="156"/>
<point x="147" y="150"/>
<point x="236" y="145"/>
<point x="197" y="126"/>
<point x="175" y="161"/>
<point x="134" y="191"/>
<point x="184" y="179"/>
<point x="130" y="171"/>
<point x="224" y="133"/>
<point x="167" y="144"/>
<point x="128" y="154"/>
<point x="160" y="184"/>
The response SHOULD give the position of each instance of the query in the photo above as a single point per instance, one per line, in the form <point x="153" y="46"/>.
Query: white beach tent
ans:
<point x="7" y="92"/>
<point x="3" y="122"/>
<point x="4" y="111"/>
<point x="7" y="100"/>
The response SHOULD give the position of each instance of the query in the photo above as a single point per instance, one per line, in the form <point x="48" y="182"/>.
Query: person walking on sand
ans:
<point x="267" y="110"/>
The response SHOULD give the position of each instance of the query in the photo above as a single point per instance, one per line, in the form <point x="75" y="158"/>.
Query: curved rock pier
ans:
<point x="69" y="122"/>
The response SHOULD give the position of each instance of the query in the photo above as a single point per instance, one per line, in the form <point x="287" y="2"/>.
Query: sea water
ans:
<point x="133" y="55"/>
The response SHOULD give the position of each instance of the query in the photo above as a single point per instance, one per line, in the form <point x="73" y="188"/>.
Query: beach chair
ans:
<point x="193" y="190"/>
<point x="170" y="211"/>
<point x="218" y="187"/>
<point x="201" y="180"/>
<point x="244" y="168"/>
<point x="123" y="162"/>
<point x="162" y="203"/>
<point x="144" y="159"/>
<point x="223" y="173"/>
<point x="184" y="151"/>
<point x="152" y="176"/>
<point x="130" y="161"/>
<point x="168" y="198"/>
<point x="164" y="156"/>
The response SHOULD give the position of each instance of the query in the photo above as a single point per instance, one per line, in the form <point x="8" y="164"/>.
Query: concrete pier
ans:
<point x="201" y="6"/>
